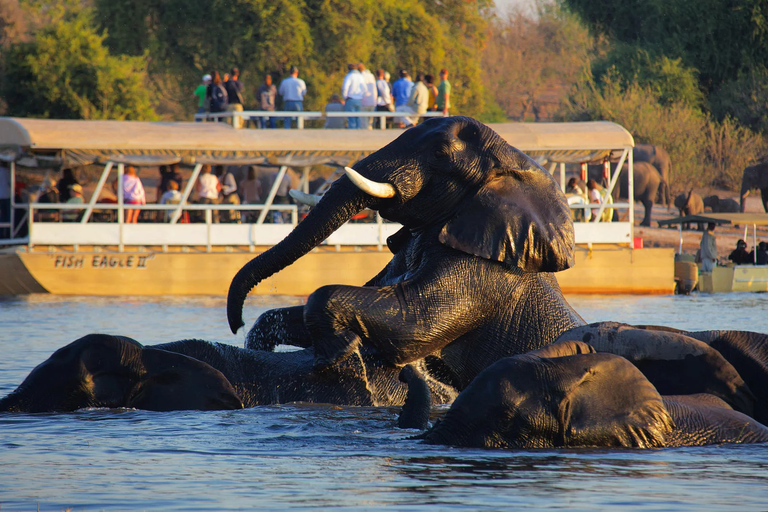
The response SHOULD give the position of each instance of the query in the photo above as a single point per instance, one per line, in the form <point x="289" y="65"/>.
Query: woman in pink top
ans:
<point x="133" y="193"/>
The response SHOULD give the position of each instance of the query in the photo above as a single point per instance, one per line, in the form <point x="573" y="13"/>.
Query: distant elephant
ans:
<point x="755" y="176"/>
<point x="659" y="158"/>
<point x="690" y="204"/>
<point x="646" y="184"/>
<point x="470" y="280"/>
<point x="565" y="395"/>
<point x="718" y="205"/>
<point x="100" y="370"/>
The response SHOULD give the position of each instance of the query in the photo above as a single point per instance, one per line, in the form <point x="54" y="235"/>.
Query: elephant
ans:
<point x="470" y="280"/>
<point x="718" y="205"/>
<point x="471" y="277"/>
<point x="646" y="184"/>
<point x="690" y="204"/>
<point x="567" y="395"/>
<point x="755" y="176"/>
<point x="100" y="370"/>
<point x="659" y="158"/>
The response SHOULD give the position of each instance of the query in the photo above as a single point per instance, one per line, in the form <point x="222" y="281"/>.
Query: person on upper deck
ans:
<point x="444" y="93"/>
<point x="234" y="88"/>
<point x="266" y="95"/>
<point x="353" y="90"/>
<point x="370" y="96"/>
<point x="292" y="90"/>
<point x="335" y="105"/>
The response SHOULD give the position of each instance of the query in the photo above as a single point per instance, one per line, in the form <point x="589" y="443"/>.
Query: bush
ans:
<point x="729" y="149"/>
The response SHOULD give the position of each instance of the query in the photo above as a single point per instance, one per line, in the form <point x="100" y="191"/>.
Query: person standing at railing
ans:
<point x="250" y="192"/>
<point x="234" y="88"/>
<point x="208" y="188"/>
<point x="353" y="90"/>
<point x="133" y="193"/>
<point x="201" y="93"/>
<point x="369" y="96"/>
<point x="292" y="90"/>
<point x="335" y="105"/>
<point x="444" y="93"/>
<point x="429" y="81"/>
<point x="228" y="193"/>
<point x="65" y="183"/>
<point x="418" y="102"/>
<point x="266" y="96"/>
<point x="383" y="93"/>
<point x="401" y="92"/>
<point x="216" y="95"/>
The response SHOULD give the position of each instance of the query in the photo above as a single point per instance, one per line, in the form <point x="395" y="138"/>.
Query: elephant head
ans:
<point x="451" y="180"/>
<point x="755" y="176"/>
<point x="564" y="395"/>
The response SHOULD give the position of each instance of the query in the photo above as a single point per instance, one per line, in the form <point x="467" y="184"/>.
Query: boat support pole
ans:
<point x="96" y="193"/>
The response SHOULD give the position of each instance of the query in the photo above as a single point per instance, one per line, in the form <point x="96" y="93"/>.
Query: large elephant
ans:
<point x="469" y="282"/>
<point x="755" y="176"/>
<point x="470" y="279"/>
<point x="718" y="205"/>
<point x="659" y="158"/>
<point x="646" y="182"/>
<point x="690" y="204"/>
<point x="566" y="395"/>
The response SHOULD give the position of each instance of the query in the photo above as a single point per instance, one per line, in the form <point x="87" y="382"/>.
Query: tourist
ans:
<point x="216" y="95"/>
<point x="370" y="96"/>
<point x="335" y="105"/>
<point x="228" y="193"/>
<point x="292" y="90"/>
<point x="171" y="196"/>
<point x="444" y="93"/>
<point x="266" y="96"/>
<point x="353" y="90"/>
<point x="65" y="183"/>
<point x="133" y="193"/>
<point x="429" y="82"/>
<point x="761" y="258"/>
<point x="168" y="174"/>
<point x="740" y="255"/>
<point x="574" y="188"/>
<point x="208" y="188"/>
<point x="708" y="250"/>
<point x="418" y="102"/>
<point x="234" y="88"/>
<point x="401" y="89"/>
<point x="74" y="196"/>
<point x="384" y="93"/>
<point x="250" y="193"/>
<point x="201" y="93"/>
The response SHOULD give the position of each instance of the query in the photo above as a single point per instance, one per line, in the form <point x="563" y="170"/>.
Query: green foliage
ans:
<point x="745" y="99"/>
<point x="67" y="73"/>
<point x="729" y="149"/>
<point x="668" y="79"/>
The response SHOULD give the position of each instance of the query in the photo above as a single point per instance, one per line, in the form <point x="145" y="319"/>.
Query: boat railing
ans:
<point x="205" y="225"/>
<point x="243" y="118"/>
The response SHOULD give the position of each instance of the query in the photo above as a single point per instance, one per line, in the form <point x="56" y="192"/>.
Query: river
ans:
<point x="320" y="457"/>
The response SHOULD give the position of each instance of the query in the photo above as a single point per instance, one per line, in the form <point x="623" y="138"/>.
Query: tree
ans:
<point x="66" y="72"/>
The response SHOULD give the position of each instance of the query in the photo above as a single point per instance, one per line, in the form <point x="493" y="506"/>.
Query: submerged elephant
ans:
<point x="100" y="370"/>
<point x="658" y="157"/>
<point x="470" y="279"/>
<point x="469" y="282"/>
<point x="755" y="176"/>
<point x="565" y="395"/>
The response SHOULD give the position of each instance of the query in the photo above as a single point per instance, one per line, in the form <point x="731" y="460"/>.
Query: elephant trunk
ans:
<point x="338" y="205"/>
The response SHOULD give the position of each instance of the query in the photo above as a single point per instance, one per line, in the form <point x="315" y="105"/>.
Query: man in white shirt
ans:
<point x="369" y="96"/>
<point x="353" y="90"/>
<point x="292" y="90"/>
<point x="418" y="103"/>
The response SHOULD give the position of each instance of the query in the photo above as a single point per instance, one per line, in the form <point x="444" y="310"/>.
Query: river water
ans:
<point x="321" y="457"/>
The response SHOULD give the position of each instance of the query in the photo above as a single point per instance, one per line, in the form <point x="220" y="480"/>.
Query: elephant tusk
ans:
<point x="306" y="199"/>
<point x="370" y="187"/>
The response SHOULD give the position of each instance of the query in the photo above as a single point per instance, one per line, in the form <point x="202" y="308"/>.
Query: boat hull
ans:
<point x="737" y="278"/>
<point x="194" y="271"/>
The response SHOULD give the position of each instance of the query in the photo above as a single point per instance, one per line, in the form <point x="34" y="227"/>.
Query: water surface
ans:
<point x="318" y="457"/>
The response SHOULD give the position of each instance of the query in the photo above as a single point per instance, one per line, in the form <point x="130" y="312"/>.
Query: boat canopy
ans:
<point x="50" y="143"/>
<point x="755" y="219"/>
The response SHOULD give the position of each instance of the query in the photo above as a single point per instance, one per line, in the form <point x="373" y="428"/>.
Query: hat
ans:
<point x="75" y="187"/>
<point x="207" y="78"/>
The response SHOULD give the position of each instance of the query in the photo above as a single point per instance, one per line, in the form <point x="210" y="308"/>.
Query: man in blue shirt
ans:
<point x="292" y="90"/>
<point x="401" y="89"/>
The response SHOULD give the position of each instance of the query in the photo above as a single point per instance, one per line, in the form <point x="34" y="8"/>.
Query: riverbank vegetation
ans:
<point x="689" y="76"/>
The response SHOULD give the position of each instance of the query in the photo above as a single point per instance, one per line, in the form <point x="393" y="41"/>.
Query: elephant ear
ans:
<point x="519" y="218"/>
